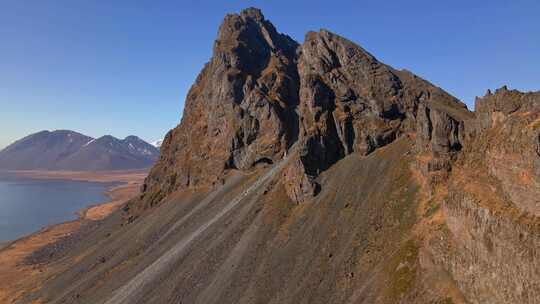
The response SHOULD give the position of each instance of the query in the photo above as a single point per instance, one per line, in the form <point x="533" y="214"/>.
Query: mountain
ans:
<point x="157" y="143"/>
<point x="314" y="173"/>
<point x="68" y="150"/>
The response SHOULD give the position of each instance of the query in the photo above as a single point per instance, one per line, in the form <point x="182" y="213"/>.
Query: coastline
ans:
<point x="124" y="176"/>
<point x="17" y="278"/>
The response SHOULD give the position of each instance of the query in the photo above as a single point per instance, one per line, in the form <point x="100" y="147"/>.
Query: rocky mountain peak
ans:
<point x="351" y="102"/>
<point x="253" y="13"/>
<point x="261" y="92"/>
<point x="247" y="41"/>
<point x="327" y="50"/>
<point x="239" y="113"/>
<point x="132" y="138"/>
<point x="504" y="100"/>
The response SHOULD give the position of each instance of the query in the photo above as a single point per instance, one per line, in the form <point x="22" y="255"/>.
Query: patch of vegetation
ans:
<point x="402" y="271"/>
<point x="431" y="208"/>
<point x="445" y="230"/>
<point x="444" y="301"/>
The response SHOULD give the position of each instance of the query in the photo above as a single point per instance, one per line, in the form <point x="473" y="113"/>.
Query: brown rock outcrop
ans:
<point x="261" y="92"/>
<point x="239" y="112"/>
<point x="493" y="256"/>
<point x="351" y="102"/>
<point x="492" y="224"/>
<point x="506" y="144"/>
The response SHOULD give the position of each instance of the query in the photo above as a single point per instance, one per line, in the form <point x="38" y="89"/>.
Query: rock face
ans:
<point x="507" y="143"/>
<point x="261" y="92"/>
<point x="494" y="255"/>
<point x="68" y="150"/>
<point x="351" y="102"/>
<point x="314" y="173"/>
<point x="239" y="113"/>
<point x="490" y="235"/>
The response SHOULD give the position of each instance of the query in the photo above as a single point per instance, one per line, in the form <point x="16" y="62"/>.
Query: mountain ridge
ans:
<point x="69" y="150"/>
<point x="256" y="118"/>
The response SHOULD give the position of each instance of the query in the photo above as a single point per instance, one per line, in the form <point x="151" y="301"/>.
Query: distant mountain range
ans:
<point x="69" y="150"/>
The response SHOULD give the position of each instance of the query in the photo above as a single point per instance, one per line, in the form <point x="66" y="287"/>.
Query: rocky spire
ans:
<point x="239" y="113"/>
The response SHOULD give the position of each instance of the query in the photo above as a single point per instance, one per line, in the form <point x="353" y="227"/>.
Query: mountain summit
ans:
<point x="69" y="150"/>
<point x="261" y="93"/>
<point x="315" y="173"/>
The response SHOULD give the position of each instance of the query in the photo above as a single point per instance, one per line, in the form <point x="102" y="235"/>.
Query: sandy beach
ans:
<point x="17" y="278"/>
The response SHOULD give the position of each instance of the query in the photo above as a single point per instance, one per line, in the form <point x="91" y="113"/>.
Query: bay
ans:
<point x="27" y="205"/>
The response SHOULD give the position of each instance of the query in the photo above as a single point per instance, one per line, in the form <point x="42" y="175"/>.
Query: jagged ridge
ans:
<point x="261" y="92"/>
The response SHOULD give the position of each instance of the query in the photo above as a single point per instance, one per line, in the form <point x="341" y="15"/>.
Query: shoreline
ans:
<point x="125" y="176"/>
<point x="17" y="278"/>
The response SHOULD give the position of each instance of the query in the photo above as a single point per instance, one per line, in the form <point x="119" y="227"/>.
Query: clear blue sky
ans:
<point x="124" y="67"/>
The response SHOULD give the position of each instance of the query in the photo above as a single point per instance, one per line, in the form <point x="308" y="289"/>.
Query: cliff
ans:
<point x="262" y="92"/>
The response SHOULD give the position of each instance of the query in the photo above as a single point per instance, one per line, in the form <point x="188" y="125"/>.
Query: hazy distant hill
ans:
<point x="69" y="150"/>
<point x="157" y="143"/>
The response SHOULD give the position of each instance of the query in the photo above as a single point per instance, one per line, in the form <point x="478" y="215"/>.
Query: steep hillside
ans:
<point x="68" y="150"/>
<point x="491" y="210"/>
<point x="314" y="173"/>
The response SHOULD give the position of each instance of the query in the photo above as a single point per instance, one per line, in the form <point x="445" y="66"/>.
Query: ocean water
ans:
<point x="27" y="205"/>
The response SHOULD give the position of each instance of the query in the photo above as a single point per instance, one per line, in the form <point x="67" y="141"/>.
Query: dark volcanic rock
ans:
<point x="351" y="102"/>
<point x="239" y="112"/>
<point x="252" y="101"/>
<point x="506" y="101"/>
<point x="506" y="142"/>
<point x="492" y="212"/>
